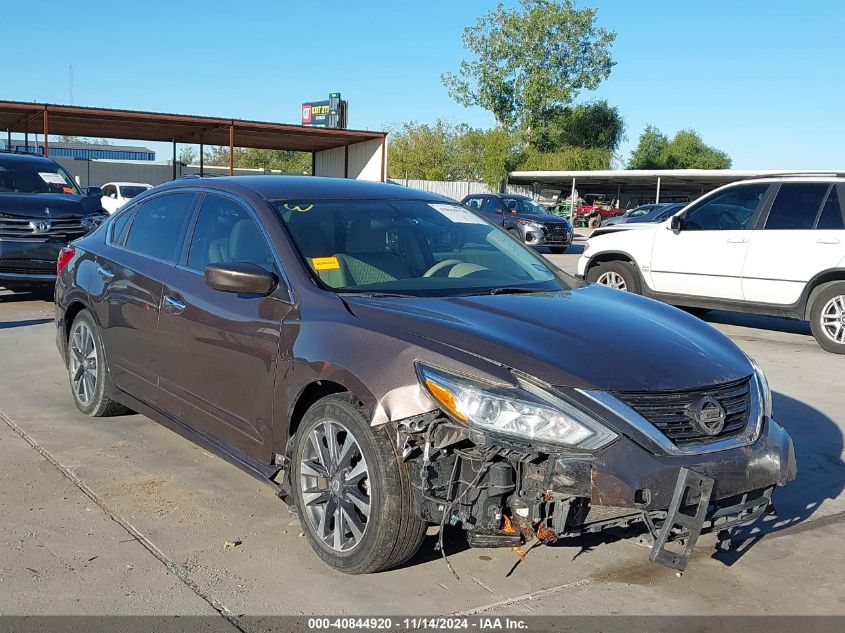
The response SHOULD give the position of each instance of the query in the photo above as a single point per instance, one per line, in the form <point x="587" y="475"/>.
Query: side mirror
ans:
<point x="676" y="223"/>
<point x="240" y="277"/>
<point x="94" y="191"/>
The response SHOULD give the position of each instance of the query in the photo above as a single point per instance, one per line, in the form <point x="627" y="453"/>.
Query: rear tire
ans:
<point x="616" y="274"/>
<point x="594" y="223"/>
<point x="827" y="318"/>
<point x="87" y="369"/>
<point x="358" y="516"/>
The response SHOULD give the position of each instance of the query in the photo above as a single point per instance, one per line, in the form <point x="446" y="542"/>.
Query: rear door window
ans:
<point x="796" y="206"/>
<point x="159" y="226"/>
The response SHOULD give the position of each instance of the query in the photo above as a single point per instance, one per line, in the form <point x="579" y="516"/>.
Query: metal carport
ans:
<point x="339" y="153"/>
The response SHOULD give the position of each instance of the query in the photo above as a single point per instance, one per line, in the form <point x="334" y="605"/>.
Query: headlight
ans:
<point x="91" y="222"/>
<point x="528" y="411"/>
<point x="536" y="225"/>
<point x="765" y="391"/>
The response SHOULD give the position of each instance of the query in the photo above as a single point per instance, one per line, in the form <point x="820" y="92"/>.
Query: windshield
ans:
<point x="35" y="177"/>
<point x="410" y="247"/>
<point x="130" y="191"/>
<point x="524" y="205"/>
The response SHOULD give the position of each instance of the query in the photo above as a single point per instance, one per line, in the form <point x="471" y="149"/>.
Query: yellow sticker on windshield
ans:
<point x="325" y="263"/>
<point x="301" y="208"/>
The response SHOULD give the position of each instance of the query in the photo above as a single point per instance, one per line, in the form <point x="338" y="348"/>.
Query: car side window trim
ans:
<point x="758" y="219"/>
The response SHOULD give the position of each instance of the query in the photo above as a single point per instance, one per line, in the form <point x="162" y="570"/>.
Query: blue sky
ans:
<point x="762" y="80"/>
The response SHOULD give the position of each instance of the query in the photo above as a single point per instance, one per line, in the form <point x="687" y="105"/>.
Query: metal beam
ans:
<point x="174" y="159"/>
<point x="202" y="160"/>
<point x="46" y="142"/>
<point x="657" y="195"/>
<point x="232" y="149"/>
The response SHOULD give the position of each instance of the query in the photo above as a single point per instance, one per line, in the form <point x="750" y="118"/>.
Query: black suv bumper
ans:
<point x="28" y="262"/>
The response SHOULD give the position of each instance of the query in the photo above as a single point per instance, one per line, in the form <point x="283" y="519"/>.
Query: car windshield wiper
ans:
<point x="376" y="294"/>
<point x="504" y="290"/>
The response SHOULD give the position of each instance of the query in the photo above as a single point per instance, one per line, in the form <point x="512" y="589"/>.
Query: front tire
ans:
<point x="87" y="369"/>
<point x="616" y="274"/>
<point x="827" y="318"/>
<point x="351" y="490"/>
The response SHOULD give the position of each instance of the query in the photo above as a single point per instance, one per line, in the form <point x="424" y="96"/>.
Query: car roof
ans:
<point x="304" y="187"/>
<point x="25" y="158"/>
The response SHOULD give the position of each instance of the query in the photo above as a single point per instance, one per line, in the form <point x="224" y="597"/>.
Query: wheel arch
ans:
<point x="816" y="286"/>
<point x="310" y="394"/>
<point x="610" y="256"/>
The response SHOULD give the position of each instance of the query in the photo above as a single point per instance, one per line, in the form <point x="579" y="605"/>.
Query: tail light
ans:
<point x="65" y="255"/>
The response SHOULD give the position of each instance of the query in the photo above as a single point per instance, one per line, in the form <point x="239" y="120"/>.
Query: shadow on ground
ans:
<point x="821" y="474"/>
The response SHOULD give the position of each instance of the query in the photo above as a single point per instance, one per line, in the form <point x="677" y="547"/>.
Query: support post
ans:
<point x="202" y="160"/>
<point x="572" y="202"/>
<point x="26" y="141"/>
<point x="232" y="149"/>
<point x="9" y="139"/>
<point x="46" y="143"/>
<point x="174" y="159"/>
<point x="657" y="195"/>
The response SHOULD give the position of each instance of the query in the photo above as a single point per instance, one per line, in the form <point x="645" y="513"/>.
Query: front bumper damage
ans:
<point x="505" y="493"/>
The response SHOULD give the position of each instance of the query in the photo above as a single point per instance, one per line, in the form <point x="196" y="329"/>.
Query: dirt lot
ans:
<point x="122" y="516"/>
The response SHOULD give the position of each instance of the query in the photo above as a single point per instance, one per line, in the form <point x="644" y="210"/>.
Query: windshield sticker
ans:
<point x="299" y="208"/>
<point x="52" y="178"/>
<point x="457" y="214"/>
<point x="325" y="263"/>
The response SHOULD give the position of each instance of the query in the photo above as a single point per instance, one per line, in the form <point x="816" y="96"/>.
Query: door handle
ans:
<point x="737" y="240"/>
<point x="105" y="273"/>
<point x="827" y="240"/>
<point x="173" y="305"/>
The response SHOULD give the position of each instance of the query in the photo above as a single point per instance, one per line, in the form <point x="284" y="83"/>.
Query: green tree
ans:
<point x="485" y="155"/>
<point x="650" y="151"/>
<point x="686" y="150"/>
<point x="250" y="158"/>
<point x="596" y="124"/>
<point x="566" y="159"/>
<point x="83" y="140"/>
<point x="187" y="155"/>
<point x="529" y="59"/>
<point x="423" y="151"/>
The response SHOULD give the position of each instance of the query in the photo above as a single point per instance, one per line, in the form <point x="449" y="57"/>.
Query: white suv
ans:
<point x="770" y="246"/>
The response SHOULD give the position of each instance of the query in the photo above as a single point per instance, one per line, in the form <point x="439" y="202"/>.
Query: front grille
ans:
<point x="556" y="232"/>
<point x="672" y="411"/>
<point x="28" y="229"/>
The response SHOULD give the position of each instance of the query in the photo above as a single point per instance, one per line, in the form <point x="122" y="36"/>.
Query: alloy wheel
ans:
<point x="612" y="279"/>
<point x="833" y="319"/>
<point x="335" y="485"/>
<point x="83" y="363"/>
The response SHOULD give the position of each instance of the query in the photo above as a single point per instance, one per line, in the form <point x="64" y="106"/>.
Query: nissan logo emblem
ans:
<point x="709" y="415"/>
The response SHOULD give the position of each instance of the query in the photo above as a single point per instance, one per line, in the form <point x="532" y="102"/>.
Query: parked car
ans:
<point x="303" y="328"/>
<point x="770" y="246"/>
<point x="41" y="210"/>
<point x="116" y="194"/>
<point x="524" y="219"/>
<point x="645" y="213"/>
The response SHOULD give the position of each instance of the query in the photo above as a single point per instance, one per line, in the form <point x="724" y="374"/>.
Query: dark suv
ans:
<point x="353" y="343"/>
<point x="524" y="219"/>
<point x="41" y="210"/>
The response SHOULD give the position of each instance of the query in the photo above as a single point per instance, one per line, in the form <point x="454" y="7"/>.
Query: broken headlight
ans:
<point x="528" y="411"/>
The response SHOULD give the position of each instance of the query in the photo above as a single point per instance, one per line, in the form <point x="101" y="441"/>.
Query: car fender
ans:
<point x="633" y="245"/>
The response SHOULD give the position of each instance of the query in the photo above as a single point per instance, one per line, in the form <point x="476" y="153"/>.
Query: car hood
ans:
<point x="60" y="205"/>
<point x="624" y="226"/>
<point x="543" y="218"/>
<point x="589" y="337"/>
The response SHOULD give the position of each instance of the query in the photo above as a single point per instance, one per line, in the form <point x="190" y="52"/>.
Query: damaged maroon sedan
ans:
<point x="391" y="360"/>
